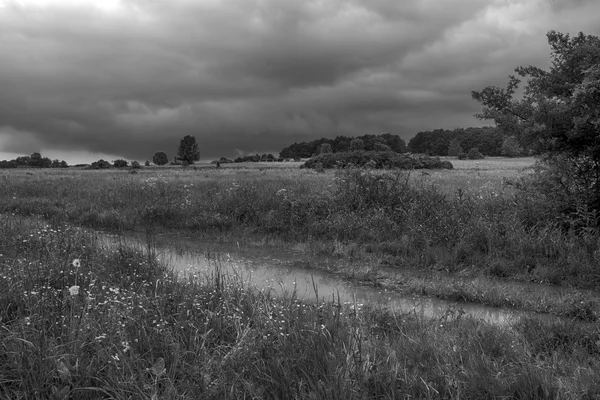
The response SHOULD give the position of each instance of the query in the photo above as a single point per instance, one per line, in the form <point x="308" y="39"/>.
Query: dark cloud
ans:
<point x="256" y="75"/>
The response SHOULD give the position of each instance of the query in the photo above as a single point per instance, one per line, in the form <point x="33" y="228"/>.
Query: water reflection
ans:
<point x="283" y="272"/>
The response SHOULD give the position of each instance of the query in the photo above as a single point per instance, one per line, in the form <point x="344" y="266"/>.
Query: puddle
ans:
<point x="282" y="272"/>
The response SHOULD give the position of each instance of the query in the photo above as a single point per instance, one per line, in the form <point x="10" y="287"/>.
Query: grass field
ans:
<point x="80" y="320"/>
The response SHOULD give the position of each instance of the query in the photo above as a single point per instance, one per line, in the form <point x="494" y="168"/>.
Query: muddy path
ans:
<point x="311" y="278"/>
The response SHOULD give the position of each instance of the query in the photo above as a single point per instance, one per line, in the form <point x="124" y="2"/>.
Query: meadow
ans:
<point x="81" y="319"/>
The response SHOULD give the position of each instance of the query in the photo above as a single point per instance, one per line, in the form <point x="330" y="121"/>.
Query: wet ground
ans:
<point x="289" y="273"/>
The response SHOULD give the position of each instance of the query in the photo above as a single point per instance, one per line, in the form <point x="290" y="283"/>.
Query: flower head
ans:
<point x="74" y="290"/>
<point x="76" y="263"/>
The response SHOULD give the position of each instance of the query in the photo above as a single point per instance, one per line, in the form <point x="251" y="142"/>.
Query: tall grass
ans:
<point x="408" y="220"/>
<point x="79" y="320"/>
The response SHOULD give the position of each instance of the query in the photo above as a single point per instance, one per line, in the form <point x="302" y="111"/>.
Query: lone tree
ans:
<point x="160" y="158"/>
<point x="559" y="115"/>
<point x="188" y="150"/>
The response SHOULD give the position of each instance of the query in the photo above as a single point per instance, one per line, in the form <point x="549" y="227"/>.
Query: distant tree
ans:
<point x="325" y="148"/>
<point x="135" y="165"/>
<point x="474" y="154"/>
<point x="35" y="160"/>
<point x="63" y="164"/>
<point x="100" y="164"/>
<point x="188" y="150"/>
<point x="55" y="164"/>
<point x="454" y="148"/>
<point x="120" y="163"/>
<point x="511" y="147"/>
<point x="147" y="163"/>
<point x="160" y="158"/>
<point x="357" y="144"/>
<point x="377" y="146"/>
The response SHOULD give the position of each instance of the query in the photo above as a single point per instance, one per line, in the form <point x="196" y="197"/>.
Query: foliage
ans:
<point x="378" y="146"/>
<point x="120" y="163"/>
<point x="83" y="320"/>
<point x="454" y="148"/>
<point x="147" y="163"/>
<point x="559" y="114"/>
<point x="100" y="164"/>
<point x="474" y="154"/>
<point x="325" y="148"/>
<point x="257" y="158"/>
<point x="135" y="165"/>
<point x="357" y="145"/>
<point x="511" y="147"/>
<point x="34" y="161"/>
<point x="377" y="160"/>
<point x="188" y="150"/>
<point x="437" y="142"/>
<point x="160" y="158"/>
<point x="342" y="143"/>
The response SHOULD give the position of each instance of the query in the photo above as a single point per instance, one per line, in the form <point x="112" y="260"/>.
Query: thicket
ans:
<point x="343" y="143"/>
<point x="376" y="160"/>
<point x="34" y="161"/>
<point x="443" y="142"/>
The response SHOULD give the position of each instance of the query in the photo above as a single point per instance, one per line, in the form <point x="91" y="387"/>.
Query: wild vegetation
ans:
<point x="343" y="143"/>
<point x="81" y="320"/>
<point x="376" y="160"/>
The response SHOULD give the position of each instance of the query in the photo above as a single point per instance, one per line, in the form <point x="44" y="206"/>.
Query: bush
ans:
<point x="376" y="160"/>
<point x="120" y="163"/>
<point x="135" y="165"/>
<point x="100" y="164"/>
<point x="160" y="158"/>
<point x="474" y="154"/>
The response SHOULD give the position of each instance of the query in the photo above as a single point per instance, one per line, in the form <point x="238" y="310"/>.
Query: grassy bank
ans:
<point x="470" y="221"/>
<point x="84" y="321"/>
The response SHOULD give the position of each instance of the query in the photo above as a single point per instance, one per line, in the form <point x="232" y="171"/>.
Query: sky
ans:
<point x="87" y="79"/>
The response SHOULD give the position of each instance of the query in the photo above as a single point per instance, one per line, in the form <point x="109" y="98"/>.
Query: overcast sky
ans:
<point x="88" y="79"/>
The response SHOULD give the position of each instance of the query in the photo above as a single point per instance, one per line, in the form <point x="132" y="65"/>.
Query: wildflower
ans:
<point x="77" y="263"/>
<point x="74" y="290"/>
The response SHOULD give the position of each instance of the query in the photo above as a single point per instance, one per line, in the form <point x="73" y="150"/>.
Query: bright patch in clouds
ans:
<point x="104" y="5"/>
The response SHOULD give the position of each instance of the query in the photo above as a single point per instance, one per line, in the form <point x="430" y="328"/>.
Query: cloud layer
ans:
<point x="134" y="76"/>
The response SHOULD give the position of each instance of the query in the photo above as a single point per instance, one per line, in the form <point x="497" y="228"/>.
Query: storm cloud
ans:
<point x="131" y="77"/>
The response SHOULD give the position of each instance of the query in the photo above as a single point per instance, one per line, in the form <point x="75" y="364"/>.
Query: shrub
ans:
<point x="474" y="154"/>
<point x="120" y="163"/>
<point x="100" y="164"/>
<point x="376" y="160"/>
<point x="160" y="158"/>
<point x="135" y="165"/>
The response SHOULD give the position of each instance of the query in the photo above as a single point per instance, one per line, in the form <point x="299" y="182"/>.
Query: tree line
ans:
<point x="35" y="160"/>
<point x="343" y="143"/>
<point x="489" y="141"/>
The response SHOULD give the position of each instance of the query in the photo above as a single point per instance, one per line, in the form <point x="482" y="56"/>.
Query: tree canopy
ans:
<point x="160" y="158"/>
<point x="188" y="150"/>
<point x="342" y="143"/>
<point x="558" y="113"/>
